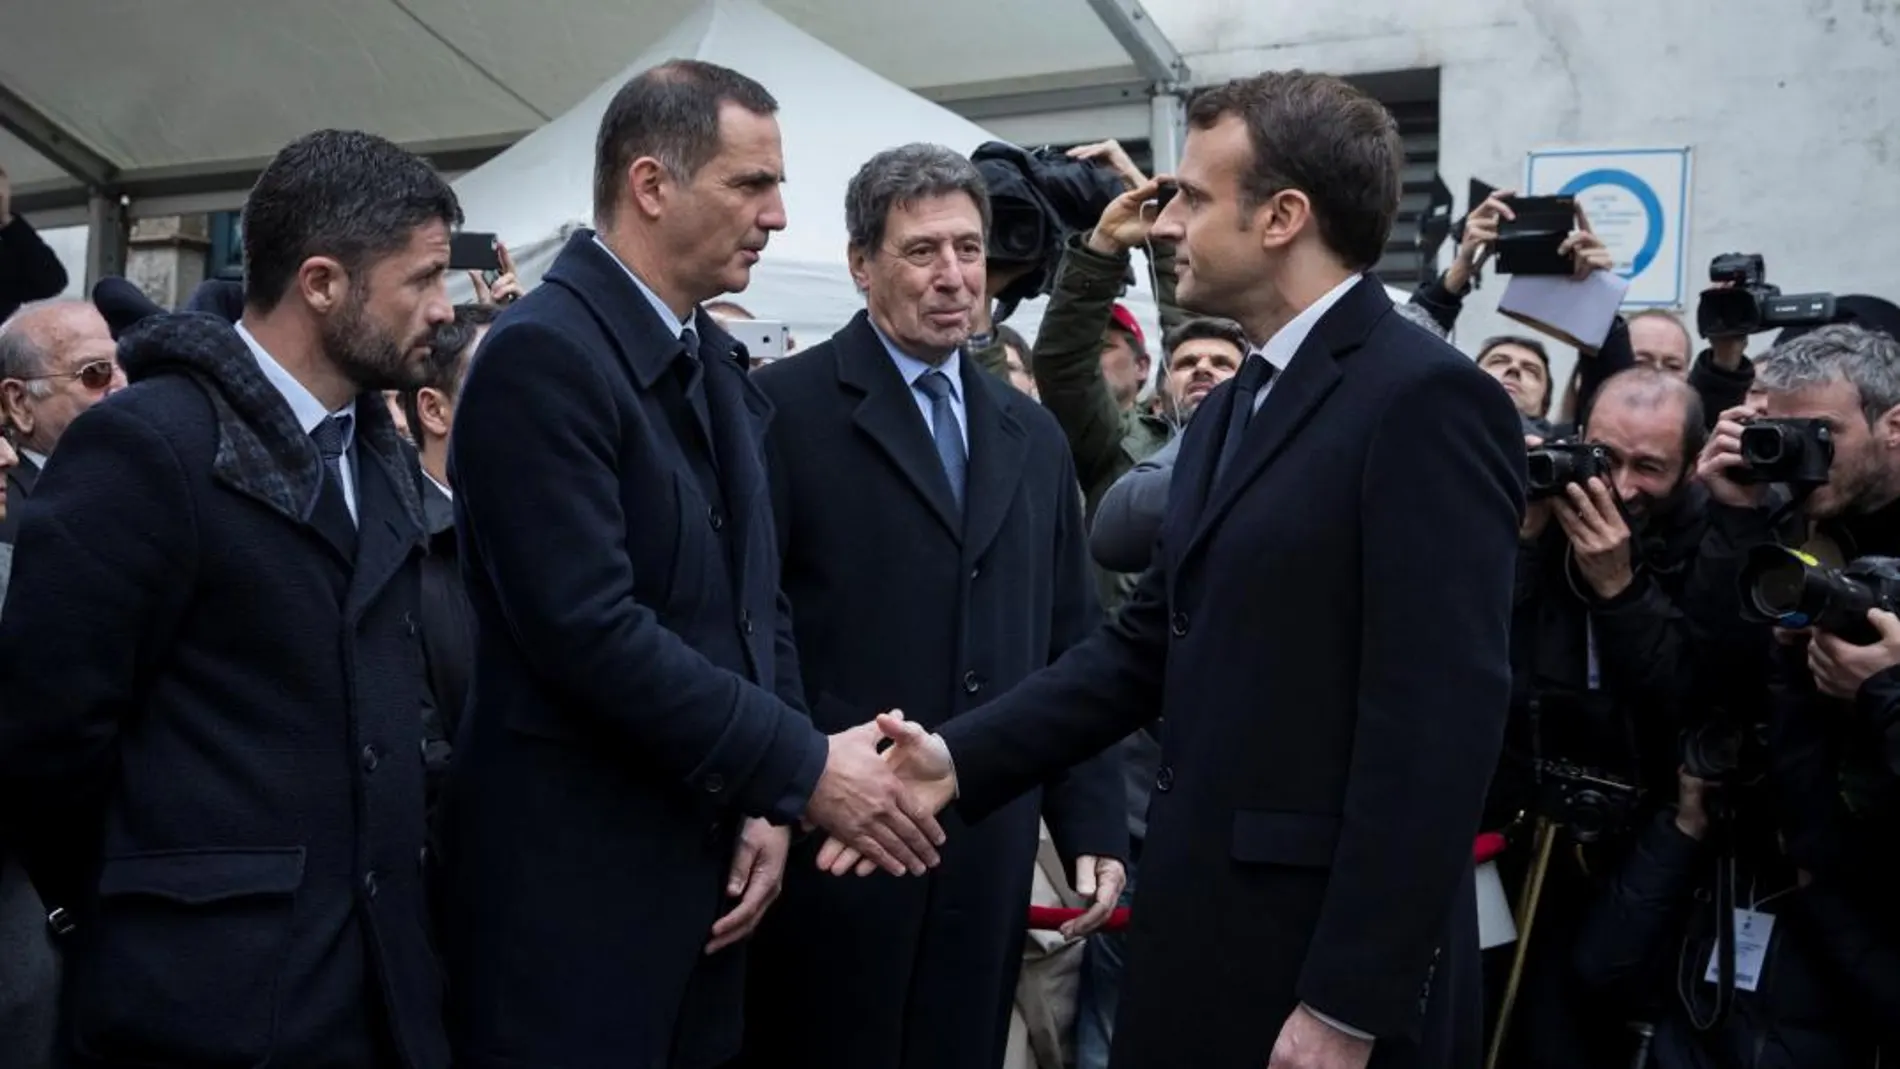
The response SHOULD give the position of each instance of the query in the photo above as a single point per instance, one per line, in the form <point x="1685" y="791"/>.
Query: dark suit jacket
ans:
<point x="20" y="483"/>
<point x="1326" y="637"/>
<point x="635" y="687"/>
<point x="211" y="716"/>
<point x="900" y="600"/>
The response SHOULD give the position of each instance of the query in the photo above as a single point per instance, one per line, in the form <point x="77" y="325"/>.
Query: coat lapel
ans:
<point x="740" y="415"/>
<point x="889" y="415"/>
<point x="997" y="449"/>
<point x="26" y="475"/>
<point x="1295" y="395"/>
<point x="389" y="525"/>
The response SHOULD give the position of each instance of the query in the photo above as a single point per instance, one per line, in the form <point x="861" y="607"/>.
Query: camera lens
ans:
<point x="1778" y="588"/>
<point x="1763" y="445"/>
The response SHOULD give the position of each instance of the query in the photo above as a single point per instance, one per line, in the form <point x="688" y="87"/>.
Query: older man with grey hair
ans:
<point x="933" y="551"/>
<point x="57" y="359"/>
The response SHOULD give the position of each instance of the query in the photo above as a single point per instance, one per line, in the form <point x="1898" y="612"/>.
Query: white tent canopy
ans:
<point x="834" y="115"/>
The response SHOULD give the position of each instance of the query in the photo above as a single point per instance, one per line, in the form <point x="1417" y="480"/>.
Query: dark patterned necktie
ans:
<point x="330" y="436"/>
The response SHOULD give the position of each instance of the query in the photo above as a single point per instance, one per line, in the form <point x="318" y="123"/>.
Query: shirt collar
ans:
<point x="913" y="369"/>
<point x="446" y="492"/>
<point x="1280" y="349"/>
<point x="303" y="404"/>
<point x="674" y="325"/>
<point x="38" y="459"/>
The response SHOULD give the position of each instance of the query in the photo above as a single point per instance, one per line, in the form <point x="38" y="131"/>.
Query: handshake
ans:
<point x="881" y="809"/>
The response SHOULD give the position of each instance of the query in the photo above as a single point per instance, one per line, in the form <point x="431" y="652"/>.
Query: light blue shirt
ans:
<point x="673" y="324"/>
<point x="913" y="369"/>
<point x="308" y="410"/>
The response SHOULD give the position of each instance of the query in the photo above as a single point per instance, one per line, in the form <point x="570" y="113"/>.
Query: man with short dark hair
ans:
<point x="636" y="747"/>
<point x="1324" y="633"/>
<point x="209" y="656"/>
<point x="57" y="359"/>
<point x="933" y="546"/>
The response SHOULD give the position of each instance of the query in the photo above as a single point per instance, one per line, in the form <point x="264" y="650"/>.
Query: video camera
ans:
<point x="1038" y="197"/>
<point x="1791" y="589"/>
<point x="1750" y="305"/>
<point x="1798" y="452"/>
<point x="1555" y="465"/>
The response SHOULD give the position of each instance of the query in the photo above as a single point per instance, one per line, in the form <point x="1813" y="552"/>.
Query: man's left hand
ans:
<point x="1597" y="532"/>
<point x="1306" y="1042"/>
<point x="1100" y="880"/>
<point x="1840" y="667"/>
<point x="758" y="874"/>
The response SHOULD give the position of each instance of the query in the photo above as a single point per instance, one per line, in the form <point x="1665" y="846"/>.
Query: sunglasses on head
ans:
<point x="95" y="375"/>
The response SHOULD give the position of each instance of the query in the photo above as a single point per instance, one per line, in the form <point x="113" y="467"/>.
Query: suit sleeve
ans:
<point x="1441" y="497"/>
<point x="1087" y="809"/>
<point x="1128" y="519"/>
<point x="104" y="565"/>
<point x="537" y="477"/>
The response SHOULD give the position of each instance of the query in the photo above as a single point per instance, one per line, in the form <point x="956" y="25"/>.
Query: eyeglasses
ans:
<point x="95" y="375"/>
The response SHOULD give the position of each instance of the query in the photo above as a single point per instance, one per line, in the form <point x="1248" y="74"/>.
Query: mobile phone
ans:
<point x="765" y="340"/>
<point x="473" y="250"/>
<point x="1164" y="195"/>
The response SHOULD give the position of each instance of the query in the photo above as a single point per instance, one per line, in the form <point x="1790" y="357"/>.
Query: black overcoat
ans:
<point x="211" y="712"/>
<point x="1326" y="636"/>
<point x="631" y="668"/>
<point x="901" y="600"/>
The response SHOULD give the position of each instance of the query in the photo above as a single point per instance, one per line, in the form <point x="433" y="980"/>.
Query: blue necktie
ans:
<point x="945" y="429"/>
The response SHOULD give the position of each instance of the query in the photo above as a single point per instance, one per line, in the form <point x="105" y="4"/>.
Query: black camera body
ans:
<point x="1590" y="803"/>
<point x="1793" y="451"/>
<point x="1790" y="589"/>
<point x="1722" y="751"/>
<point x="1750" y="305"/>
<point x="1553" y="466"/>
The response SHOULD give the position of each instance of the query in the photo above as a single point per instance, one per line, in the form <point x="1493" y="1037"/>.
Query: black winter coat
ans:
<point x="211" y="709"/>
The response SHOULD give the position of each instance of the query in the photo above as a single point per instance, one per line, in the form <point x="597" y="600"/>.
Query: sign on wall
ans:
<point x="1637" y="201"/>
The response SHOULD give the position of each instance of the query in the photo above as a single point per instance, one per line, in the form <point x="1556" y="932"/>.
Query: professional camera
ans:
<point x="1588" y="802"/>
<point x="1793" y="451"/>
<point x="1750" y="305"/>
<point x="1555" y="465"/>
<point x="1038" y="197"/>
<point x="1722" y="751"/>
<point x="1788" y="588"/>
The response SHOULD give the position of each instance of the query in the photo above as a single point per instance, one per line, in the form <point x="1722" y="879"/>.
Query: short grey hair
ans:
<point x="22" y="356"/>
<point x="903" y="176"/>
<point x="1869" y="360"/>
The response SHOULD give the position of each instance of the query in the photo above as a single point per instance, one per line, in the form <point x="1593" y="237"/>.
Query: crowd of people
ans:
<point x="548" y="681"/>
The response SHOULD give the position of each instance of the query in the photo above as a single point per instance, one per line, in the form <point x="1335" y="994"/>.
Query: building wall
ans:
<point x="1792" y="106"/>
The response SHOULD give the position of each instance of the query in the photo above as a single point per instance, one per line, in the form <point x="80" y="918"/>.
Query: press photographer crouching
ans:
<point x="1806" y="486"/>
<point x="1600" y="671"/>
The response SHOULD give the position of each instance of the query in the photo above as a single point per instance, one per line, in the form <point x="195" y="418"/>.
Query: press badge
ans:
<point x="1752" y="931"/>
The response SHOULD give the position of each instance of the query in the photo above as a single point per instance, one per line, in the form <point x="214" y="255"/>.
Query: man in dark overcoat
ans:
<point x="934" y="555"/>
<point x="210" y="679"/>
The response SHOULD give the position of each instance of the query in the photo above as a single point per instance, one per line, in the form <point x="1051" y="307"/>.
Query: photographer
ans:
<point x="1648" y="946"/>
<point x="1837" y="802"/>
<point x="1600" y="672"/>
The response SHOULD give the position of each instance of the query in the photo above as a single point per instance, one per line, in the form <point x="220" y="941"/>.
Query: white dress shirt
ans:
<point x="308" y="410"/>
<point x="913" y="369"/>
<point x="1280" y="349"/>
<point x="38" y="459"/>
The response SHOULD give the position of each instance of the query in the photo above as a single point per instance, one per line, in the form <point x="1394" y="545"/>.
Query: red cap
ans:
<point x="1125" y="319"/>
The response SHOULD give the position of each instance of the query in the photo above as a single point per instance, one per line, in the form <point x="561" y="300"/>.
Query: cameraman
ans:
<point x="1837" y="800"/>
<point x="1599" y="672"/>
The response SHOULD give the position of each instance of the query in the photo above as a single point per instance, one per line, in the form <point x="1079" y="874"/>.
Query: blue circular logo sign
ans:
<point x="1645" y="196"/>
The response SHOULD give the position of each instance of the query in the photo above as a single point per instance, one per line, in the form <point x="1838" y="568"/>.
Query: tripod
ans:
<point x="1545" y="841"/>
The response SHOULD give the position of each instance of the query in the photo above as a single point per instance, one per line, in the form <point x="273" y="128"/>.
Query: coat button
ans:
<point x="716" y="518"/>
<point x="715" y="783"/>
<point x="369" y="883"/>
<point x="409" y="624"/>
<point x="371" y="758"/>
<point x="1164" y="779"/>
<point x="745" y="620"/>
<point x="972" y="683"/>
<point x="976" y="571"/>
<point x="1178" y="623"/>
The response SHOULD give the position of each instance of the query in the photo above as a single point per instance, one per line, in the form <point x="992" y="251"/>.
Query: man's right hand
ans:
<point x="862" y="802"/>
<point x="1722" y="455"/>
<point x="1124" y="224"/>
<point x="922" y="761"/>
